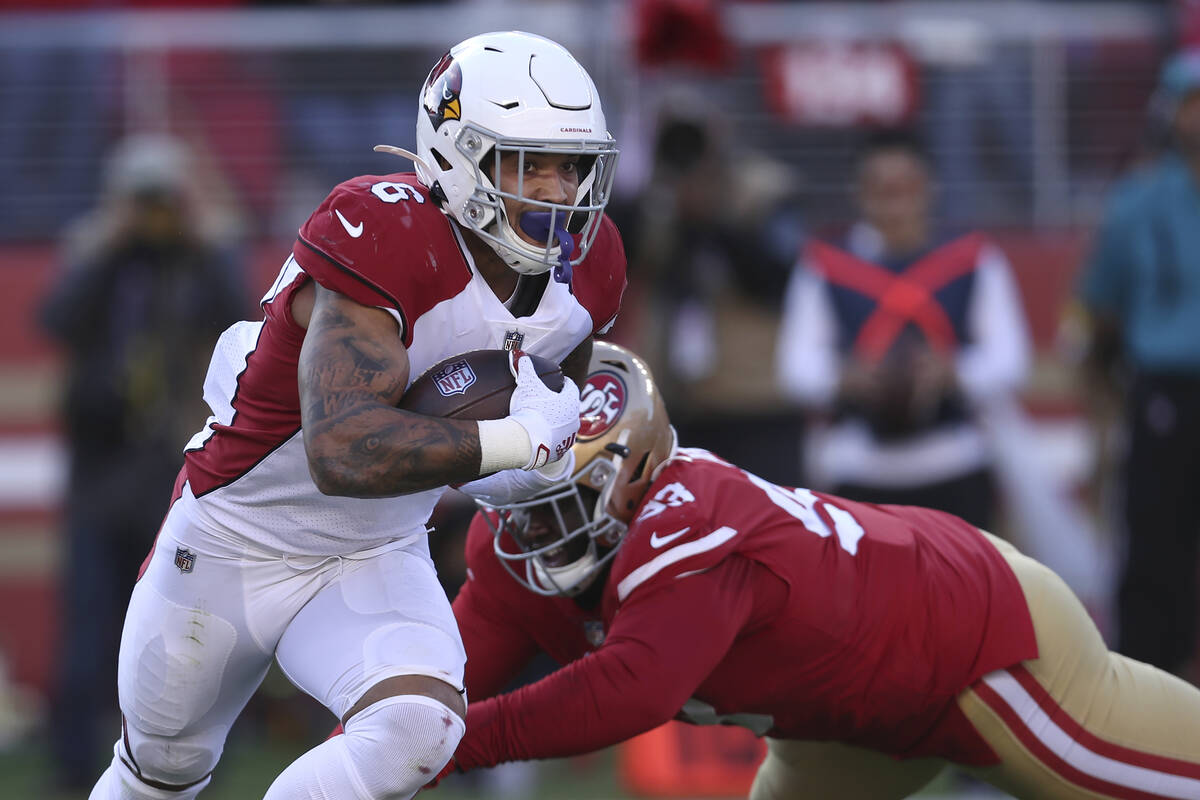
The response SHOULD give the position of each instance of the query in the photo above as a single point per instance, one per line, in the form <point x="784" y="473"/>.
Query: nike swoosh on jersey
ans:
<point x="354" y="230"/>
<point x="657" y="541"/>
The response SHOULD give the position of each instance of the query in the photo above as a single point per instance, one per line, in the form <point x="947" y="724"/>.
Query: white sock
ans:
<point x="388" y="752"/>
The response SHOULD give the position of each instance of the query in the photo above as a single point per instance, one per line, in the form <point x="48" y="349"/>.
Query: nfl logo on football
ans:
<point x="454" y="379"/>
<point x="185" y="560"/>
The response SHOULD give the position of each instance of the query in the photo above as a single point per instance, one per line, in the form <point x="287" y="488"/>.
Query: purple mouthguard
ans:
<point x="537" y="225"/>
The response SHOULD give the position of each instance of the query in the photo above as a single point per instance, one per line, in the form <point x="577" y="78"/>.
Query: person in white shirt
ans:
<point x="896" y="342"/>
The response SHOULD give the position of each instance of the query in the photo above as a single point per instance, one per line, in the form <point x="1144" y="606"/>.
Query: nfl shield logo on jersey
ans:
<point x="454" y="379"/>
<point x="513" y="340"/>
<point x="184" y="559"/>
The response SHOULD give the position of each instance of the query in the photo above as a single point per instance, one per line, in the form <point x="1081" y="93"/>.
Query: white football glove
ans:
<point x="510" y="486"/>
<point x="549" y="418"/>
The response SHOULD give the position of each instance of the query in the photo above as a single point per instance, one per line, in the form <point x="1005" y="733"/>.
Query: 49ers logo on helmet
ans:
<point x="601" y="403"/>
<point x="442" y="87"/>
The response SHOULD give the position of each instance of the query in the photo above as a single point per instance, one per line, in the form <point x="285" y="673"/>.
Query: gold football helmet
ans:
<point x="558" y="541"/>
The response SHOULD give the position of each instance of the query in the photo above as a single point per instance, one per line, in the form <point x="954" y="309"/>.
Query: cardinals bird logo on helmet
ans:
<point x="442" y="88"/>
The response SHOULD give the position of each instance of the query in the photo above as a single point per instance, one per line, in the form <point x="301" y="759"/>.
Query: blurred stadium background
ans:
<point x="1030" y="111"/>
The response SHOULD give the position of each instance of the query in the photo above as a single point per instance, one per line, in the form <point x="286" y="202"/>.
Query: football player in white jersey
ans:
<point x="298" y="527"/>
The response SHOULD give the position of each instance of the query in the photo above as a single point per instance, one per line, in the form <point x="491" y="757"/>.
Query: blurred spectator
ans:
<point x="710" y="240"/>
<point x="1141" y="293"/>
<point x="900" y="341"/>
<point x="141" y="301"/>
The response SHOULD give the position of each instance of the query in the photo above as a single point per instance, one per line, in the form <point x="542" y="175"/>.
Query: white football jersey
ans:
<point x="247" y="471"/>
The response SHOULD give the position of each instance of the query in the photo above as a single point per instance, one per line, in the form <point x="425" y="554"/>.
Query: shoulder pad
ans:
<point x="672" y="536"/>
<point x="599" y="281"/>
<point x="381" y="241"/>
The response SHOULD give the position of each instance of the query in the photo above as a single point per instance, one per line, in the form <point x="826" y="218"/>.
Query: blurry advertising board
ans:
<point x="842" y="84"/>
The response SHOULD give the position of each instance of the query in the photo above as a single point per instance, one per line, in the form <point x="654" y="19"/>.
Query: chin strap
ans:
<point x="537" y="225"/>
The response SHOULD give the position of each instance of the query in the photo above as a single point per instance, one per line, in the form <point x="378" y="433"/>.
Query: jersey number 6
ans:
<point x="392" y="192"/>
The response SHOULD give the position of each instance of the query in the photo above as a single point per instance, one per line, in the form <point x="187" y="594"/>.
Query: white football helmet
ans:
<point x="514" y="92"/>
<point x="557" y="542"/>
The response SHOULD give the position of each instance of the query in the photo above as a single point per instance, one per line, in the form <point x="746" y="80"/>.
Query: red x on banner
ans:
<point x="902" y="297"/>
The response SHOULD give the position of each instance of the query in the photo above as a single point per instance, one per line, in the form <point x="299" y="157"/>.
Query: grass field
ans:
<point x="282" y="723"/>
<point x="248" y="769"/>
<point x="249" y="766"/>
<point x="245" y="775"/>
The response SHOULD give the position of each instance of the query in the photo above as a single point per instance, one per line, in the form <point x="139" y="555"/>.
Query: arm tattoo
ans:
<point x="353" y="371"/>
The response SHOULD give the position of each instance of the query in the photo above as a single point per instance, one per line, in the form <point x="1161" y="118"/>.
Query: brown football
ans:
<point x="474" y="385"/>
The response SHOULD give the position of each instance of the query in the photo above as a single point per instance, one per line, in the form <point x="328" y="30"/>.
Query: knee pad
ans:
<point x="124" y="780"/>
<point x="172" y="763"/>
<point x="399" y="744"/>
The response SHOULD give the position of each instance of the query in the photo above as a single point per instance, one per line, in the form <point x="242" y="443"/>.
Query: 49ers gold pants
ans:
<point x="1076" y="722"/>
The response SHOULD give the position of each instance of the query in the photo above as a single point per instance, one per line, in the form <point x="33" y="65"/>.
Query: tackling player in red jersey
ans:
<point x="871" y="645"/>
<point x="298" y="530"/>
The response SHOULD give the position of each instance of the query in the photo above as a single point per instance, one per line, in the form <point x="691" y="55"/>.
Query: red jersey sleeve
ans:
<point x="381" y="241"/>
<point x="659" y="650"/>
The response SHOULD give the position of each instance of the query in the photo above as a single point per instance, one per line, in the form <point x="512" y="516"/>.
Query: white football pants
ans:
<point x="197" y="642"/>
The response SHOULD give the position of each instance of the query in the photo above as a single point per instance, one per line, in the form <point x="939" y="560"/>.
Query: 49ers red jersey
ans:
<point x="796" y="614"/>
<point x="382" y="241"/>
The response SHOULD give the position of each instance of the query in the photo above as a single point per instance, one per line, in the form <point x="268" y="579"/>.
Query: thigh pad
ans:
<point x="172" y="661"/>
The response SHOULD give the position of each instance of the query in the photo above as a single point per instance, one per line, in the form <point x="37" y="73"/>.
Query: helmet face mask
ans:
<point x="486" y="212"/>
<point x="515" y="93"/>
<point x="563" y="537"/>
<point x="559" y="541"/>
